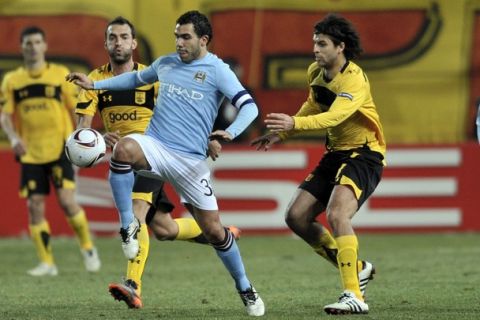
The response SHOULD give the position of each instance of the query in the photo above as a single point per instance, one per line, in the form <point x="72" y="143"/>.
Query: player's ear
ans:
<point x="204" y="40"/>
<point x="134" y="43"/>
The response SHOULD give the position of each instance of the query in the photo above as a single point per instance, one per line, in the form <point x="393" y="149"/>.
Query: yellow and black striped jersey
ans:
<point x="125" y="111"/>
<point x="41" y="104"/>
<point x="344" y="107"/>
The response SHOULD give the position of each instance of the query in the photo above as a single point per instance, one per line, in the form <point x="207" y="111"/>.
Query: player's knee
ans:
<point x="70" y="209"/>
<point x="290" y="221"/>
<point x="214" y="234"/>
<point x="35" y="204"/>
<point x="336" y="220"/>
<point x="36" y="208"/>
<point x="294" y="218"/>
<point x="68" y="205"/>
<point x="124" y="150"/>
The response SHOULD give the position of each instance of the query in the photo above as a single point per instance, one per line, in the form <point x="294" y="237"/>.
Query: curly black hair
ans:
<point x="339" y="30"/>
<point x="200" y="22"/>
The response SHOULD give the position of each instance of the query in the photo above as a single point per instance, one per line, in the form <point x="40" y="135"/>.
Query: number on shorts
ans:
<point x="207" y="185"/>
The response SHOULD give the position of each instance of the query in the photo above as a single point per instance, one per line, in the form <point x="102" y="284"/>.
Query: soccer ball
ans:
<point x="85" y="147"/>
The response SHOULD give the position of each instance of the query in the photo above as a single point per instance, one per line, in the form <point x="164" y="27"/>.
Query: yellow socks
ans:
<point x="79" y="225"/>
<point x="188" y="229"/>
<point x="135" y="267"/>
<point x="348" y="264"/>
<point x="40" y="234"/>
<point x="327" y="247"/>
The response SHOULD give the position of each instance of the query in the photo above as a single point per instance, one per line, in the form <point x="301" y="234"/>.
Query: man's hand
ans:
<point x="220" y="135"/>
<point x="111" y="138"/>
<point x="80" y="80"/>
<point x="214" y="148"/>
<point x="278" y="122"/>
<point x="18" y="147"/>
<point x="266" y="141"/>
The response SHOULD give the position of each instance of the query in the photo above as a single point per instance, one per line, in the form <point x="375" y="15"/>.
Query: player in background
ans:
<point x="37" y="119"/>
<point x="339" y="101"/>
<point x="193" y="84"/>
<point x="125" y="112"/>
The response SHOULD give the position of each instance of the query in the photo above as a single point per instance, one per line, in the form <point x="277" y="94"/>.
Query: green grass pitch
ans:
<point x="433" y="276"/>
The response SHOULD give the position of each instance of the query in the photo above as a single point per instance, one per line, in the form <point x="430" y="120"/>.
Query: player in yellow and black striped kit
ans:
<point x="124" y="112"/>
<point x="339" y="101"/>
<point x="36" y="117"/>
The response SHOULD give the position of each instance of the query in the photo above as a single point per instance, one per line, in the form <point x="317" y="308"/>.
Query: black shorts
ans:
<point x="35" y="178"/>
<point x="149" y="187"/>
<point x="361" y="169"/>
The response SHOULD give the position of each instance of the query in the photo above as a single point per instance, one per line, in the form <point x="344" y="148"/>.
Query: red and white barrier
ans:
<point x="424" y="188"/>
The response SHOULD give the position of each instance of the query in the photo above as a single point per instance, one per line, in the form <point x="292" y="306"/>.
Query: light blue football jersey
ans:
<point x="188" y="100"/>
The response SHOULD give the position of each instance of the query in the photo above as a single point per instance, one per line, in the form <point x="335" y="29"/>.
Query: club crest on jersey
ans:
<point x="140" y="97"/>
<point x="49" y="91"/>
<point x="200" y="76"/>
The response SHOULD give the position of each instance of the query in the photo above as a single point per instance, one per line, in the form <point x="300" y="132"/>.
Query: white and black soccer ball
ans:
<point x="85" y="147"/>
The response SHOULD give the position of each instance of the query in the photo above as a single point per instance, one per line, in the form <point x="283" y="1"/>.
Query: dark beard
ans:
<point x="119" y="60"/>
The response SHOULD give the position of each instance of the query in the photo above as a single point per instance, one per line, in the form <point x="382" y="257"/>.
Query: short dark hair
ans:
<point x="200" y="22"/>
<point x="339" y="29"/>
<point x="31" y="30"/>
<point x="121" y="21"/>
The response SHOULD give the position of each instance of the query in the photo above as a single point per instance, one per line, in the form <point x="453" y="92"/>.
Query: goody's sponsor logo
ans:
<point x="34" y="107"/>
<point x="122" y="116"/>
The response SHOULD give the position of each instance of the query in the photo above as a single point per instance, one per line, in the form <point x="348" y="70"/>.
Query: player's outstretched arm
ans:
<point x="266" y="141"/>
<point x="80" y="80"/>
<point x="278" y="122"/>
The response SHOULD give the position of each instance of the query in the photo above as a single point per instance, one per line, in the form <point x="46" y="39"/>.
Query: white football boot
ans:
<point x="253" y="303"/>
<point x="91" y="260"/>
<point x="348" y="303"/>
<point x="365" y="275"/>
<point x="129" y="239"/>
<point x="43" y="269"/>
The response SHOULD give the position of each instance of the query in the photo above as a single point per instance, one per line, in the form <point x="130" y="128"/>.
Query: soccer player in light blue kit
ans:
<point x="193" y="83"/>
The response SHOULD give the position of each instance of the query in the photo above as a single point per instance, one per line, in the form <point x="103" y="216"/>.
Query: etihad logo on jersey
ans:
<point x="185" y="93"/>
<point x="122" y="116"/>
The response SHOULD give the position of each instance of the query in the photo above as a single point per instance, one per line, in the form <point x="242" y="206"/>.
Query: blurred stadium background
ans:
<point x="422" y="58"/>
